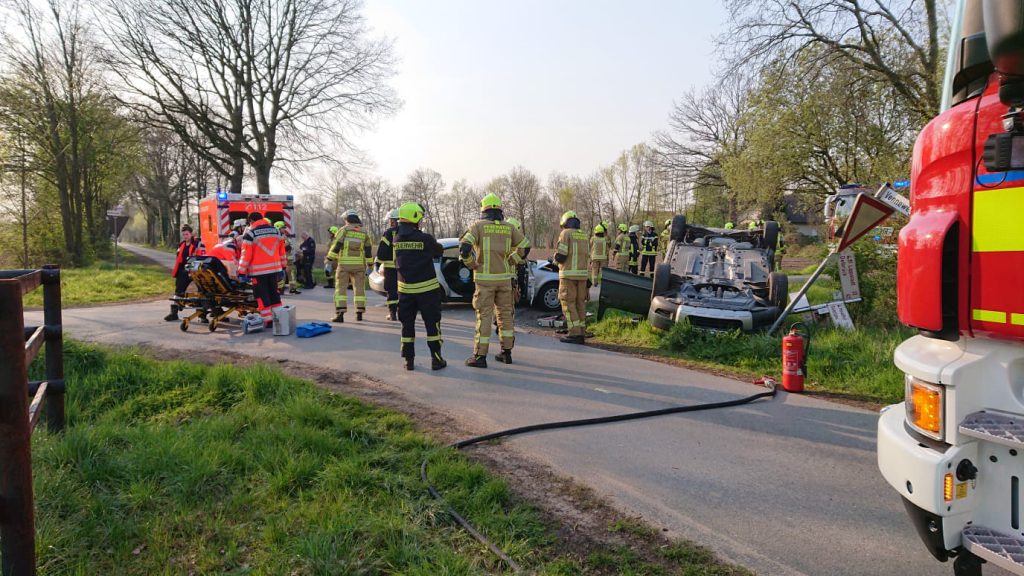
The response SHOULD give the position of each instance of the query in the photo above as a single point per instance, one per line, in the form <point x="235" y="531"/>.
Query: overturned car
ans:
<point x="716" y="278"/>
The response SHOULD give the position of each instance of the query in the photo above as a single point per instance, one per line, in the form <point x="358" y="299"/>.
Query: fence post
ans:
<point x="54" y="347"/>
<point x="17" y="517"/>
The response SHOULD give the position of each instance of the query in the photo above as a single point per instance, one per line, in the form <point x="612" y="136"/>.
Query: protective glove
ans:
<point x="243" y="278"/>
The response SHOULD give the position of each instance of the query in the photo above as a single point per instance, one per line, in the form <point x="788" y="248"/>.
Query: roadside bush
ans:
<point x="876" y="265"/>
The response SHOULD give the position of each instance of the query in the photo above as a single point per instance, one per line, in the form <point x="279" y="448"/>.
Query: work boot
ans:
<point x="437" y="363"/>
<point x="294" y="291"/>
<point x="505" y="356"/>
<point x="339" y="317"/>
<point x="359" y="316"/>
<point x="173" y="316"/>
<point x="572" y="339"/>
<point x="477" y="361"/>
<point x="409" y="365"/>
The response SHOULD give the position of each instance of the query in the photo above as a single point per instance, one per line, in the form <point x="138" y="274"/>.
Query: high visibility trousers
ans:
<point x="427" y="305"/>
<point x="572" y="293"/>
<point x="595" y="271"/>
<point x="264" y="288"/>
<point x="647" y="264"/>
<point x="391" y="287"/>
<point x="357" y="275"/>
<point x="488" y="299"/>
<point x="621" y="261"/>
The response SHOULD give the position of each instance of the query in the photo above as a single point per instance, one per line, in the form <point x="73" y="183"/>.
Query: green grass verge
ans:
<point x="855" y="364"/>
<point x="134" y="279"/>
<point x="179" y="468"/>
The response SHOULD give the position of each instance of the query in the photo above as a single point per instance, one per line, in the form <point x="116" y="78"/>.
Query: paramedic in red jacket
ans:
<point x="190" y="246"/>
<point x="263" y="260"/>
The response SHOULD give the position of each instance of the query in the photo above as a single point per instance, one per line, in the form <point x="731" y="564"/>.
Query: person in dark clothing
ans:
<point x="308" y="251"/>
<point x="190" y="246"/>
<point x="419" y="291"/>
<point x="634" y="250"/>
<point x="387" y="266"/>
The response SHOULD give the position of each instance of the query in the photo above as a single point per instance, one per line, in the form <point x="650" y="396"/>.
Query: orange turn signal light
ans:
<point x="924" y="406"/>
<point x="947" y="488"/>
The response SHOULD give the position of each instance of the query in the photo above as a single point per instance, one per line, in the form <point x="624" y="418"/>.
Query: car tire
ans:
<point x="662" y="279"/>
<point x="547" y="298"/>
<point x="677" y="231"/>
<point x="778" y="290"/>
<point x="771" y="235"/>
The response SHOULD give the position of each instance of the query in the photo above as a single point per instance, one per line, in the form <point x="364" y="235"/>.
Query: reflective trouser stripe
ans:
<point x="407" y="340"/>
<point x="488" y="299"/>
<point x="434" y="338"/>
<point x="418" y="287"/>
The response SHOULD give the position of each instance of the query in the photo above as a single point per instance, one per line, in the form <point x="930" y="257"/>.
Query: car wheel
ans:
<point x="547" y="298"/>
<point x="778" y="290"/>
<point x="662" y="279"/>
<point x="677" y="231"/>
<point x="771" y="235"/>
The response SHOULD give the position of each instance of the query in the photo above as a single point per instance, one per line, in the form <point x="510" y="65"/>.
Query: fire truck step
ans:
<point x="999" y="548"/>
<point x="994" y="427"/>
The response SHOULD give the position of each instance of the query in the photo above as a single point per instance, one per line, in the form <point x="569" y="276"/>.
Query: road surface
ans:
<point x="788" y="486"/>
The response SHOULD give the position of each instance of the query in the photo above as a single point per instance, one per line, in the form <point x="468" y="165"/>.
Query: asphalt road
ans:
<point x="788" y="486"/>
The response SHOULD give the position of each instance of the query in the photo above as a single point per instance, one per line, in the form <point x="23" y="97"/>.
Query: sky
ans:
<point x="552" y="85"/>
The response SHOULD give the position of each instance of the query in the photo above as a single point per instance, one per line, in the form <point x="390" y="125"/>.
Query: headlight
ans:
<point x="925" y="403"/>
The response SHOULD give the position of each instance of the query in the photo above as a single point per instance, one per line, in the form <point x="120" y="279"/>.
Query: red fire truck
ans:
<point x="219" y="210"/>
<point x="954" y="450"/>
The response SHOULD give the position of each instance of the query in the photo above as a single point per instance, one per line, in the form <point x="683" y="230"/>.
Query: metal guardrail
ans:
<point x="19" y="345"/>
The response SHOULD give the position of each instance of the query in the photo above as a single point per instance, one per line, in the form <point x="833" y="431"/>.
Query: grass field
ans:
<point x="853" y="364"/>
<point x="179" y="468"/>
<point x="100" y="283"/>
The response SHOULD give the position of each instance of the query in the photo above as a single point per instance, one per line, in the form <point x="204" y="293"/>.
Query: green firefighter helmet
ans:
<point x="599" y="229"/>
<point x="668" y="223"/>
<point x="279" y="224"/>
<point x="410" y="212"/>
<point x="565" y="217"/>
<point x="623" y="227"/>
<point x="333" y="230"/>
<point x="490" y="201"/>
<point x="729" y="225"/>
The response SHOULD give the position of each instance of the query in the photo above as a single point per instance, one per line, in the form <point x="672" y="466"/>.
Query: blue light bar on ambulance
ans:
<point x="901" y="184"/>
<point x="222" y="195"/>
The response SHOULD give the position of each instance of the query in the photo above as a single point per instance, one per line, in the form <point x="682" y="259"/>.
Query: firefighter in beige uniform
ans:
<point x="573" y="268"/>
<point x="620" y="249"/>
<point x="490" y="249"/>
<point x="598" y="254"/>
<point x="351" y="248"/>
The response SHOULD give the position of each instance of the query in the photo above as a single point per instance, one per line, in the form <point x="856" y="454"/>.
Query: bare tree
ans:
<point x="521" y="191"/>
<point x="899" y="41"/>
<point x="262" y="81"/>
<point x="425" y="186"/>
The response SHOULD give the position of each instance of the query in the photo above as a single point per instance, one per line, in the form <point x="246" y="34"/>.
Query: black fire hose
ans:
<point x="569" y="424"/>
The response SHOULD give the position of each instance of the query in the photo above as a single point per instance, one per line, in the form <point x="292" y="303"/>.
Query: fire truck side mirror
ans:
<point x="1004" y="34"/>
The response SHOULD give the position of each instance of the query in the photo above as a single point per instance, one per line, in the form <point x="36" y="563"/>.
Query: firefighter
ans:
<point x="755" y="224"/>
<point x="291" y="273"/>
<point x="190" y="246"/>
<point x="729" y="225"/>
<point x="490" y="248"/>
<point x="598" y="254"/>
<point x="520" y="282"/>
<point x="419" y="291"/>
<point x="328" y="265"/>
<point x="634" y="249"/>
<point x="308" y="251"/>
<point x="573" y="267"/>
<point x="385" y="259"/>
<point x="263" y="260"/>
<point x="620" y="249"/>
<point x="665" y="234"/>
<point x="351" y="248"/>
<point x="648" y="249"/>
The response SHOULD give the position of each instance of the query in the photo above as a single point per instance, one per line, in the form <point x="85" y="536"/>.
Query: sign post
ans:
<point x="117" y="218"/>
<point x="867" y="213"/>
<point x="848" y="275"/>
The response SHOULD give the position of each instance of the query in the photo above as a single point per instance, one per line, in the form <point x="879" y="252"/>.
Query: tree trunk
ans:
<point x="262" y="180"/>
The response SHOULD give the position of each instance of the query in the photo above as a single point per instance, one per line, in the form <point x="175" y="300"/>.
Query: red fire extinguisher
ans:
<point x="794" y="357"/>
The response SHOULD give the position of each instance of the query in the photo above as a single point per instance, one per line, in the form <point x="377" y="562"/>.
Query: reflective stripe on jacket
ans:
<point x="598" y="248"/>
<point x="495" y="246"/>
<point x="648" y="245"/>
<point x="385" y="255"/>
<point x="351" y="246"/>
<point x="414" y="252"/>
<point x="263" y="250"/>
<point x="574" y="245"/>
